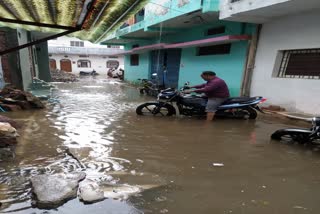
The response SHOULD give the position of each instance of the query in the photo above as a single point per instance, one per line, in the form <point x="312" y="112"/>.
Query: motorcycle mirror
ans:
<point x="187" y="83"/>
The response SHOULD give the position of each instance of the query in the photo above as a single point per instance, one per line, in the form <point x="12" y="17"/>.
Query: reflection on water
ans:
<point x="172" y="156"/>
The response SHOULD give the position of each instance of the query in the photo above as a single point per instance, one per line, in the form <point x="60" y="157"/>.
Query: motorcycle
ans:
<point x="194" y="105"/>
<point x="300" y="135"/>
<point x="88" y="73"/>
<point x="149" y="87"/>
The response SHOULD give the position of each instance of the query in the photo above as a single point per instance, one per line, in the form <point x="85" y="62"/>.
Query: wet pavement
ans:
<point x="228" y="166"/>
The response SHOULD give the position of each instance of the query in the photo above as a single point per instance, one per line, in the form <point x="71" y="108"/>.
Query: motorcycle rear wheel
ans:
<point x="299" y="137"/>
<point x="155" y="109"/>
<point x="245" y="113"/>
<point x="250" y="113"/>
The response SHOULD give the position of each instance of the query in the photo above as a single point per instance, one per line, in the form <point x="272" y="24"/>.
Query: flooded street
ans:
<point x="183" y="165"/>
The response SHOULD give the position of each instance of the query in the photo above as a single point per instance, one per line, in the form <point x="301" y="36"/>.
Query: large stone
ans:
<point x="7" y="131"/>
<point x="124" y="191"/>
<point x="90" y="192"/>
<point x="79" y="153"/>
<point x="53" y="190"/>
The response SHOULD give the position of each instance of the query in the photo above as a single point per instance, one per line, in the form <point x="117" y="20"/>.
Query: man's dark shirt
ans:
<point x="214" y="88"/>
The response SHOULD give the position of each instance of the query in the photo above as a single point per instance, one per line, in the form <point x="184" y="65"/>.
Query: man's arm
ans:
<point x="198" y="86"/>
<point x="207" y="88"/>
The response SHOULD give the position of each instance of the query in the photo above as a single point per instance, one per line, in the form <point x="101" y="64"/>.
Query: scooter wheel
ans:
<point x="250" y="113"/>
<point x="291" y="136"/>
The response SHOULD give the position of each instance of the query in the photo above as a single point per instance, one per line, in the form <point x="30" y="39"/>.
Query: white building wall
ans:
<point x="228" y="8"/>
<point x="98" y="63"/>
<point x="291" y="32"/>
<point x="25" y="63"/>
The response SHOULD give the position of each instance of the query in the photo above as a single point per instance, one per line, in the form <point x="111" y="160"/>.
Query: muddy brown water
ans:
<point x="182" y="157"/>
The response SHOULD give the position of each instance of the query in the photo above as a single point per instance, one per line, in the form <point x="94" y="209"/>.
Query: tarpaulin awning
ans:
<point x="94" y="18"/>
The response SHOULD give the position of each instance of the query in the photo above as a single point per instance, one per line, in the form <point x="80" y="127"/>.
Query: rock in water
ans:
<point x="53" y="190"/>
<point x="6" y="130"/>
<point x="124" y="191"/>
<point x="89" y="192"/>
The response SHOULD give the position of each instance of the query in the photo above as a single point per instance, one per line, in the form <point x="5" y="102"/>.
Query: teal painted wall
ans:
<point x="210" y="5"/>
<point x="43" y="61"/>
<point x="229" y="66"/>
<point x="132" y="73"/>
<point x="25" y="63"/>
<point x="168" y="10"/>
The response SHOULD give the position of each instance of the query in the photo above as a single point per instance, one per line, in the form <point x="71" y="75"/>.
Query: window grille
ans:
<point x="84" y="64"/>
<point x="303" y="63"/>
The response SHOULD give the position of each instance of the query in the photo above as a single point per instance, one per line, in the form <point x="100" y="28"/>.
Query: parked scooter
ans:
<point x="88" y="73"/>
<point x="194" y="105"/>
<point x="300" y="135"/>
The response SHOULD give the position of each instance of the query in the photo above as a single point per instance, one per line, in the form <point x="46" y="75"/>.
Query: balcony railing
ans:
<point x="82" y="50"/>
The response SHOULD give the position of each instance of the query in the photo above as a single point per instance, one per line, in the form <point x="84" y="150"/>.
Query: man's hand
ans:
<point x="187" y="91"/>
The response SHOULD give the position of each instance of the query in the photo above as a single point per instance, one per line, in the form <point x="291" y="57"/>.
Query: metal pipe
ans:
<point x="96" y="19"/>
<point x="116" y="22"/>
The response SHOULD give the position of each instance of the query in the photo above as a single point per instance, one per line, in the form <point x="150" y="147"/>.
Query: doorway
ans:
<point x="53" y="64"/>
<point x="166" y="63"/>
<point x="65" y="65"/>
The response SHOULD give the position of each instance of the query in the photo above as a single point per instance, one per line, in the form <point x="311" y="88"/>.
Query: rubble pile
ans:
<point x="62" y="76"/>
<point x="12" y="99"/>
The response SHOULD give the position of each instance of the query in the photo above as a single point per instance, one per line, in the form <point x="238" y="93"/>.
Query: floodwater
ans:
<point x="228" y="166"/>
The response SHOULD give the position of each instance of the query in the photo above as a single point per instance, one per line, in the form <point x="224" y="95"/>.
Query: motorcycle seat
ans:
<point x="239" y="100"/>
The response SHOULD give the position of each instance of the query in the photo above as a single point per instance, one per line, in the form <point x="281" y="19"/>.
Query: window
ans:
<point x="134" y="59"/>
<point x="214" y="50"/>
<point x="216" y="30"/>
<point x="112" y="64"/>
<point x="113" y="57"/>
<point x="233" y="1"/>
<point x="76" y="43"/>
<point x="84" y="64"/>
<point x="304" y="63"/>
<point x="83" y="56"/>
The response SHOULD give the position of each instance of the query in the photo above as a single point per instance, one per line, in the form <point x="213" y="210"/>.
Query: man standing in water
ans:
<point x="215" y="89"/>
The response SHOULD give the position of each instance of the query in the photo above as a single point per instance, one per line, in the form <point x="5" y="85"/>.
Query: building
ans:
<point x="20" y="67"/>
<point x="287" y="62"/>
<point x="74" y="55"/>
<point x="182" y="38"/>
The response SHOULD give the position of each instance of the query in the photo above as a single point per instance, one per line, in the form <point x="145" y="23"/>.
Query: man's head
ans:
<point x="208" y="75"/>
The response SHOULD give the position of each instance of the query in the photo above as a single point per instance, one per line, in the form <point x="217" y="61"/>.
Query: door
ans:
<point x="65" y="65"/>
<point x="173" y="59"/>
<point x="53" y="64"/>
<point x="166" y="63"/>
